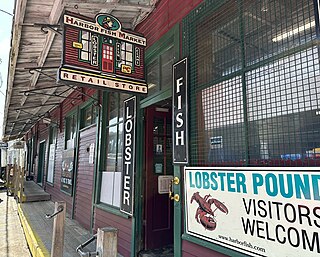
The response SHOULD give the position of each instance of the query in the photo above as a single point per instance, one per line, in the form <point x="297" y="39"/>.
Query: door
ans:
<point x="42" y="150"/>
<point x="107" y="58"/>
<point x="158" y="211"/>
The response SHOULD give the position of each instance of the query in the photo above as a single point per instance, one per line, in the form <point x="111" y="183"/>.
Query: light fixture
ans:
<point x="294" y="31"/>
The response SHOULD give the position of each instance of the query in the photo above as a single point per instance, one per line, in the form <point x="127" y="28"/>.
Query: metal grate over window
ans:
<point x="254" y="70"/>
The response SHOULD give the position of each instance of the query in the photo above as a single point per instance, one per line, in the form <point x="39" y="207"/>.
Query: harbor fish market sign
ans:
<point x="98" y="53"/>
<point x="259" y="212"/>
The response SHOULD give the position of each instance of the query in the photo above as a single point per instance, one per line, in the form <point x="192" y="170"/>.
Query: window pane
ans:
<point x="218" y="44"/>
<point x="283" y="99"/>
<point x="84" y="56"/>
<point x="112" y="148"/>
<point x="153" y="77"/>
<point x="266" y="34"/>
<point x="122" y="98"/>
<point x="113" y="108"/>
<point x="85" y="35"/>
<point x="167" y="60"/>
<point x="220" y="124"/>
<point x="119" y="150"/>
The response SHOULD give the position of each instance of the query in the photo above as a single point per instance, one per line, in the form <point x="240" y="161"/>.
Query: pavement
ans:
<point x="38" y="230"/>
<point x="12" y="239"/>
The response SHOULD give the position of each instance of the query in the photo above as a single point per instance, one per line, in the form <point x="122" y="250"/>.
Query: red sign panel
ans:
<point x="98" y="53"/>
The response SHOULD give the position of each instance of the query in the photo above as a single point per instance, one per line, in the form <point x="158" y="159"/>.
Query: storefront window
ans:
<point x="159" y="71"/>
<point x="70" y="131"/>
<point x="89" y="115"/>
<point x="254" y="76"/>
<point x="111" y="177"/>
<point x="85" y="50"/>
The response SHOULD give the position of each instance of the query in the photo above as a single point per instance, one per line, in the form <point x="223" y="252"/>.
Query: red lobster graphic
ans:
<point x="204" y="214"/>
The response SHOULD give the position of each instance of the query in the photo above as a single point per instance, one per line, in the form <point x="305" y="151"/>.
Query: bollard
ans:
<point x="58" y="229"/>
<point x="107" y="242"/>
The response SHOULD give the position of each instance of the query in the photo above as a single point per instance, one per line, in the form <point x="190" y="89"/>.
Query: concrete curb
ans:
<point x="35" y="244"/>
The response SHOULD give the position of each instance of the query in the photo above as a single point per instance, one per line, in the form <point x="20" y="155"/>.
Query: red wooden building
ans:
<point x="253" y="106"/>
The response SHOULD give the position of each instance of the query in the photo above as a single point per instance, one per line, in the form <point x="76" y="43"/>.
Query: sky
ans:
<point x="6" y="8"/>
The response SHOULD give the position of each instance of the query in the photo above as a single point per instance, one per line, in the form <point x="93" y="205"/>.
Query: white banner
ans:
<point x="256" y="211"/>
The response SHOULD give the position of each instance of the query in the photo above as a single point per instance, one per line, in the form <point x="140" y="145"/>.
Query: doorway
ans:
<point x="158" y="208"/>
<point x="42" y="151"/>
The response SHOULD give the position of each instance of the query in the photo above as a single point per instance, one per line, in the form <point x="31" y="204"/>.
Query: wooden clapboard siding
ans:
<point x="54" y="190"/>
<point x="84" y="180"/>
<point x="106" y="219"/>
<point x="193" y="250"/>
<point x="164" y="17"/>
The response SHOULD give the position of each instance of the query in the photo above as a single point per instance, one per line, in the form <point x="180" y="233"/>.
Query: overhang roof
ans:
<point x="36" y="50"/>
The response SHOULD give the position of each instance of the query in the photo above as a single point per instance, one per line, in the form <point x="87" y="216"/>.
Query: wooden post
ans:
<point x="16" y="173"/>
<point x="21" y="185"/>
<point x="58" y="230"/>
<point x="107" y="242"/>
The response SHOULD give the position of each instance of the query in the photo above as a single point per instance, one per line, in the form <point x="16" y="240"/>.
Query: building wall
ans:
<point x="58" y="115"/>
<point x="193" y="250"/>
<point x="84" y="179"/>
<point x="166" y="14"/>
<point x="106" y="219"/>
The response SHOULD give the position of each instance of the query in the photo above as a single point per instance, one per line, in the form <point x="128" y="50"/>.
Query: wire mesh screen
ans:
<point x="254" y="69"/>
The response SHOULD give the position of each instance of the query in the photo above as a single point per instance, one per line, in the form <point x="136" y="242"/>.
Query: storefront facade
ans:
<point x="252" y="140"/>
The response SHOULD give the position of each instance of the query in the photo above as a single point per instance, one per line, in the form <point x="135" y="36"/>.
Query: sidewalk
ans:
<point x="12" y="240"/>
<point x="38" y="230"/>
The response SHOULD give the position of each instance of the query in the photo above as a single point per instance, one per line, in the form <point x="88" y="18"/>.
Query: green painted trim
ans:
<point x="102" y="150"/>
<point x="157" y="98"/>
<point x="76" y="160"/>
<point x="171" y="38"/>
<point x="163" y="44"/>
<point x="112" y="210"/>
<point x="214" y="247"/>
<point x="137" y="219"/>
<point x="177" y="218"/>
<point x="96" y="164"/>
<point x="244" y="83"/>
<point x="55" y="149"/>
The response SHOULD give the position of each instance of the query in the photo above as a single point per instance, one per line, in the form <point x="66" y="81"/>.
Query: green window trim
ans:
<point x="154" y="53"/>
<point x="73" y="118"/>
<point x="91" y="109"/>
<point x="212" y="246"/>
<point x="111" y="209"/>
<point x="111" y="145"/>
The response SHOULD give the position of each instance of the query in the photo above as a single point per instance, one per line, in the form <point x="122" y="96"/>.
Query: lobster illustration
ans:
<point x="204" y="214"/>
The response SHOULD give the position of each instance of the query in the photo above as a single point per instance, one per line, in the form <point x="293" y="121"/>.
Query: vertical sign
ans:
<point x="127" y="184"/>
<point x="180" y="112"/>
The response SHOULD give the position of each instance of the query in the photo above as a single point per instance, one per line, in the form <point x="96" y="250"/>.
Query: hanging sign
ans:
<point x="180" y="112"/>
<point x="128" y="156"/>
<point x="256" y="211"/>
<point x="99" y="53"/>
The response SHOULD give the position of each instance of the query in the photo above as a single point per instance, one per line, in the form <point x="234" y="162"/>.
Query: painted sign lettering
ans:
<point x="180" y="113"/>
<point x="257" y="211"/>
<point x="98" y="53"/>
<point x="129" y="124"/>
